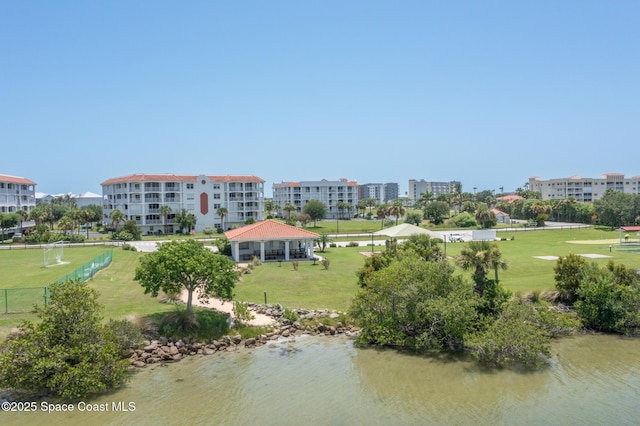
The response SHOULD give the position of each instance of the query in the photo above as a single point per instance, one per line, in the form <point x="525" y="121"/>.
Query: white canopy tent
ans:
<point x="405" y="230"/>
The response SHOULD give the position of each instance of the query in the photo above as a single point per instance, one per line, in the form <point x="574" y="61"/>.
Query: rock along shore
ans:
<point x="167" y="349"/>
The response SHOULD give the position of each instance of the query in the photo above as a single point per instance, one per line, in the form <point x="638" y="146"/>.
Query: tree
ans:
<point x="414" y="217"/>
<point x="397" y="209"/>
<point x="480" y="256"/>
<point x="323" y="241"/>
<point x="382" y="212"/>
<point x="116" y="217"/>
<point x="222" y="212"/>
<point x="189" y="265"/>
<point x="616" y="208"/>
<point x="89" y="214"/>
<point x="416" y="304"/>
<point x="289" y="208"/>
<point x="8" y="220"/>
<point x="515" y="336"/>
<point x="165" y="211"/>
<point x="185" y="220"/>
<point x="269" y="206"/>
<point x="69" y="352"/>
<point x="316" y="210"/>
<point x="23" y="215"/>
<point x="567" y="274"/>
<point x="436" y="211"/>
<point x="486" y="217"/>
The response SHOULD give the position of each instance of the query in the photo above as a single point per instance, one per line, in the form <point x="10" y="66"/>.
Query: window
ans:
<point x="216" y="196"/>
<point x="216" y="186"/>
<point x="189" y="186"/>
<point x="216" y="205"/>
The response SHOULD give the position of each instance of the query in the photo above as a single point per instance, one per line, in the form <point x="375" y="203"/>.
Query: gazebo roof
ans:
<point x="630" y="228"/>
<point x="403" y="230"/>
<point x="269" y="230"/>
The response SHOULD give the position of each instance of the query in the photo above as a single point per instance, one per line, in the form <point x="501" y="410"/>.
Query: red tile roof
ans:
<point x="268" y="230"/>
<point x="16" y="179"/>
<point x="167" y="177"/>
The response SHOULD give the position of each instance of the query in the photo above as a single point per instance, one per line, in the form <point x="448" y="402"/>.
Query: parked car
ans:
<point x="455" y="238"/>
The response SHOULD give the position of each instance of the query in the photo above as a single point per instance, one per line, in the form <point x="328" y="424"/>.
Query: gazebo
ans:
<point x="627" y="230"/>
<point x="270" y="240"/>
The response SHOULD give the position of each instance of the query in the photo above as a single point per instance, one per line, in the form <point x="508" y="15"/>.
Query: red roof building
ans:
<point x="271" y="240"/>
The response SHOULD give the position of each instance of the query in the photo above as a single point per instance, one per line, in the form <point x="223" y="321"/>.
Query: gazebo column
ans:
<point x="310" y="248"/>
<point x="286" y="250"/>
<point x="235" y="251"/>
<point x="262" y="251"/>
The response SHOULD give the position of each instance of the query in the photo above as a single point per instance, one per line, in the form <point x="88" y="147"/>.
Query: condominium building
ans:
<point x="419" y="187"/>
<point x="584" y="189"/>
<point x="334" y="194"/>
<point x="16" y="193"/>
<point x="142" y="197"/>
<point x="381" y="192"/>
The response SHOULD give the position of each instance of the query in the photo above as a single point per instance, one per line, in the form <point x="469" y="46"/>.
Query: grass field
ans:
<point x="311" y="286"/>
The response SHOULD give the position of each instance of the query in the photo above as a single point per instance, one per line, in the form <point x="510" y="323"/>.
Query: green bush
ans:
<point x="69" y="353"/>
<point x="128" y="334"/>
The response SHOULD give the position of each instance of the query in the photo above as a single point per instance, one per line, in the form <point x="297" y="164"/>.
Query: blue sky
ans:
<point x="488" y="93"/>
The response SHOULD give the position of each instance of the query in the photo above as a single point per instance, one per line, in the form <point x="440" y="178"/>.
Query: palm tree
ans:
<point x="371" y="203"/>
<point x="165" y="211"/>
<point x="269" y="206"/>
<point x="480" y="256"/>
<point x="397" y="209"/>
<point x="23" y="216"/>
<point x="289" y="208"/>
<point x="116" y="217"/>
<point x="185" y="220"/>
<point x="222" y="212"/>
<point x="382" y="213"/>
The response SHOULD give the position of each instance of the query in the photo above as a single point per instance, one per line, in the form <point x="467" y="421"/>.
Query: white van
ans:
<point x="455" y="238"/>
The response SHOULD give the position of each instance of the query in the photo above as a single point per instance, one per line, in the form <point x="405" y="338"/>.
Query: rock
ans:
<point x="237" y="339"/>
<point x="208" y="351"/>
<point x="139" y="364"/>
<point x="250" y="342"/>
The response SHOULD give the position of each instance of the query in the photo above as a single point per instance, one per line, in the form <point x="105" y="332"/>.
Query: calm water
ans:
<point x="324" y="381"/>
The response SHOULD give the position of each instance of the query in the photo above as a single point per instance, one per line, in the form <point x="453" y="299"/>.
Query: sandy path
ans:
<point x="227" y="307"/>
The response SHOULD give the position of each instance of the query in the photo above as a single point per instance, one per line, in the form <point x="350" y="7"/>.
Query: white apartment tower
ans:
<point x="16" y="193"/>
<point x="332" y="194"/>
<point x="141" y="197"/>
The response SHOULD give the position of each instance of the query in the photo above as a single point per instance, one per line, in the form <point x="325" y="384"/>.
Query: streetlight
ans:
<point x="372" y="243"/>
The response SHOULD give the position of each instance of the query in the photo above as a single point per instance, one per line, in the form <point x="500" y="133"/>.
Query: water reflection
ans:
<point x="326" y="381"/>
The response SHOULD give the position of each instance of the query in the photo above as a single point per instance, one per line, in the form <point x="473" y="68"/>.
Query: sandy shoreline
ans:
<point x="227" y="307"/>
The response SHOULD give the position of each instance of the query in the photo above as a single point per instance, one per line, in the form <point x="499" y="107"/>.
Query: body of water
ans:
<point x="327" y="381"/>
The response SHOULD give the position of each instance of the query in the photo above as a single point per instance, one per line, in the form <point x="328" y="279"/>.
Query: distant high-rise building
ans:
<point x="419" y="187"/>
<point x="381" y="192"/>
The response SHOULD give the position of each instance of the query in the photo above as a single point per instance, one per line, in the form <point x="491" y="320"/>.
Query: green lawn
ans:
<point x="311" y="286"/>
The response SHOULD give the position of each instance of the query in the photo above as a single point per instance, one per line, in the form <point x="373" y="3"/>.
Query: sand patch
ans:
<point x="546" y="257"/>
<point x="594" y="256"/>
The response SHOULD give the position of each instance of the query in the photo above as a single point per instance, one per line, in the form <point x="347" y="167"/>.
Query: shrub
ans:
<point x="242" y="313"/>
<point x="325" y="263"/>
<point x="69" y="353"/>
<point x="128" y="334"/>
<point x="207" y="230"/>
<point x="353" y="244"/>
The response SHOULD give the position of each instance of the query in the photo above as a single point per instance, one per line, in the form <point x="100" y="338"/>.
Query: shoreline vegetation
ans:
<point x="493" y="310"/>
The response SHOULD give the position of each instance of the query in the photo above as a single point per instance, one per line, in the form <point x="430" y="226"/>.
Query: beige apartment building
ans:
<point x="584" y="189"/>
